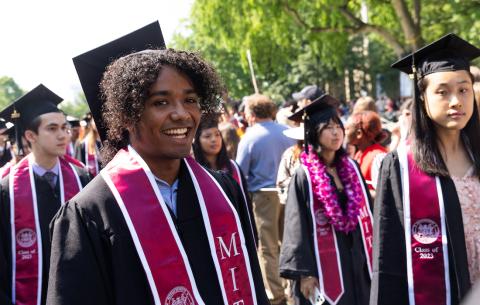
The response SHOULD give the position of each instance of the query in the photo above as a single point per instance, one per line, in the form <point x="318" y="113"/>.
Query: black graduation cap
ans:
<point x="73" y="121"/>
<point x="449" y="53"/>
<point x="3" y="124"/>
<point x="320" y="106"/>
<point x="319" y="110"/>
<point x="26" y="108"/>
<point x="91" y="65"/>
<point x="10" y="133"/>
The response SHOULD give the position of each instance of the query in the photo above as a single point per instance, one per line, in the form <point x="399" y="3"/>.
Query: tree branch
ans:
<point x="412" y="34"/>
<point x="357" y="27"/>
<point x="363" y="27"/>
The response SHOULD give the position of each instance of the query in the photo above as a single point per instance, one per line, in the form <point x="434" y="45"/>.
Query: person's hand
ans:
<point x="307" y="286"/>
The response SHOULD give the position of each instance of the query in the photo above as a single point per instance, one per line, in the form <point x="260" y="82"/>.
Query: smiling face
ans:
<point x="170" y="117"/>
<point x="211" y="141"/>
<point x="449" y="99"/>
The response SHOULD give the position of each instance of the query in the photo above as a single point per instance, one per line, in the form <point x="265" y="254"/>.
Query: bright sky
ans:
<point x="39" y="38"/>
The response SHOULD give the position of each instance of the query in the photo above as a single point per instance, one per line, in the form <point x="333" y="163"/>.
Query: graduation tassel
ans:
<point x="18" y="137"/>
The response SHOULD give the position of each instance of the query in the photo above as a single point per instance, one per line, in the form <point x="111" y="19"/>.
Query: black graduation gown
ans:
<point x="297" y="255"/>
<point x="48" y="202"/>
<point x="80" y="152"/>
<point x="389" y="283"/>
<point x="5" y="156"/>
<point x="243" y="180"/>
<point x="94" y="260"/>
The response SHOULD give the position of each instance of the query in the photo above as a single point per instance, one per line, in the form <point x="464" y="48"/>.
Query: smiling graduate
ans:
<point x="154" y="227"/>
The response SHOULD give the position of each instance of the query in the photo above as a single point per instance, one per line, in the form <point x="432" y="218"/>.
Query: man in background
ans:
<point x="259" y="154"/>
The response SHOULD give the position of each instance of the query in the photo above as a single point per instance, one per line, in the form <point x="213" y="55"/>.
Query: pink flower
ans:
<point x="325" y="195"/>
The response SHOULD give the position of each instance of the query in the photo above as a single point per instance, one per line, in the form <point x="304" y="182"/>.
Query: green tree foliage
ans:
<point x="77" y="108"/>
<point x="9" y="91"/>
<point x="299" y="42"/>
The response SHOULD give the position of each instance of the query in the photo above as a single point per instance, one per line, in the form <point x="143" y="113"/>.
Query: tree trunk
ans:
<point x="412" y="33"/>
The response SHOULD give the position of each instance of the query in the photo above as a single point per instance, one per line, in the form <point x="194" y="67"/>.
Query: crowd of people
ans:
<point x="168" y="192"/>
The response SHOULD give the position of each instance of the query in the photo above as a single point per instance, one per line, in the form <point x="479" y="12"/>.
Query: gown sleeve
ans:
<point x="389" y="282"/>
<point x="77" y="267"/>
<point x="297" y="253"/>
<point x="5" y="246"/>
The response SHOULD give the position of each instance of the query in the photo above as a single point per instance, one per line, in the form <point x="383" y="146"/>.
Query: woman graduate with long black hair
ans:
<point x="328" y="223"/>
<point x="428" y="197"/>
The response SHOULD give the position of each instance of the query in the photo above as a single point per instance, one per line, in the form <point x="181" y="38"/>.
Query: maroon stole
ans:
<point x="165" y="262"/>
<point x="74" y="161"/>
<point x="329" y="266"/>
<point x="91" y="160"/>
<point x="425" y="234"/>
<point x="25" y="226"/>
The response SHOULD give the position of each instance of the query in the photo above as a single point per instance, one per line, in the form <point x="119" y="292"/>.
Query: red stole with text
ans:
<point x="425" y="234"/>
<point x="25" y="226"/>
<point x="326" y="251"/>
<point x="165" y="262"/>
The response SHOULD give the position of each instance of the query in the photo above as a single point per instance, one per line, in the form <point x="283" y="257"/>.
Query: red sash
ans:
<point x="425" y="234"/>
<point x="326" y="250"/>
<point x="74" y="161"/>
<point x="165" y="261"/>
<point x="91" y="160"/>
<point x="25" y="226"/>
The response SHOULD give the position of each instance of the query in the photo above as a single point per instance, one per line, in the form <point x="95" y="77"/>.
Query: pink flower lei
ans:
<point x="326" y="195"/>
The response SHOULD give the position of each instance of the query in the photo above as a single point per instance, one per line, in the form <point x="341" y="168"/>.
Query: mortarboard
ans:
<point x="91" y="65"/>
<point x="319" y="106"/>
<point x="319" y="110"/>
<point x="28" y="107"/>
<point x="73" y="121"/>
<point x="449" y="53"/>
<point x="3" y="124"/>
<point x="10" y="133"/>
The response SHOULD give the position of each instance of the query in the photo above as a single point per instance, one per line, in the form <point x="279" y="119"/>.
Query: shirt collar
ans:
<point x="163" y="183"/>
<point x="40" y="171"/>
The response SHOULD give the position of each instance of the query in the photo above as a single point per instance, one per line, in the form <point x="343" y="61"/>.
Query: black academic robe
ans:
<point x="48" y="201"/>
<point x="80" y="152"/>
<point x="297" y="255"/>
<point x="243" y="180"/>
<point x="389" y="283"/>
<point x="94" y="260"/>
<point x="5" y="156"/>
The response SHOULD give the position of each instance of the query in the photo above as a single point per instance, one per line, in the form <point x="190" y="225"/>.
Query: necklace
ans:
<point x="341" y="220"/>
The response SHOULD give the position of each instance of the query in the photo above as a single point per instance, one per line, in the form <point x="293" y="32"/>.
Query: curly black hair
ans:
<point x="126" y="83"/>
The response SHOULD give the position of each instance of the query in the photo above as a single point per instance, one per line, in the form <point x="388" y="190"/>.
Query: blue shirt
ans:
<point x="259" y="153"/>
<point x="169" y="193"/>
